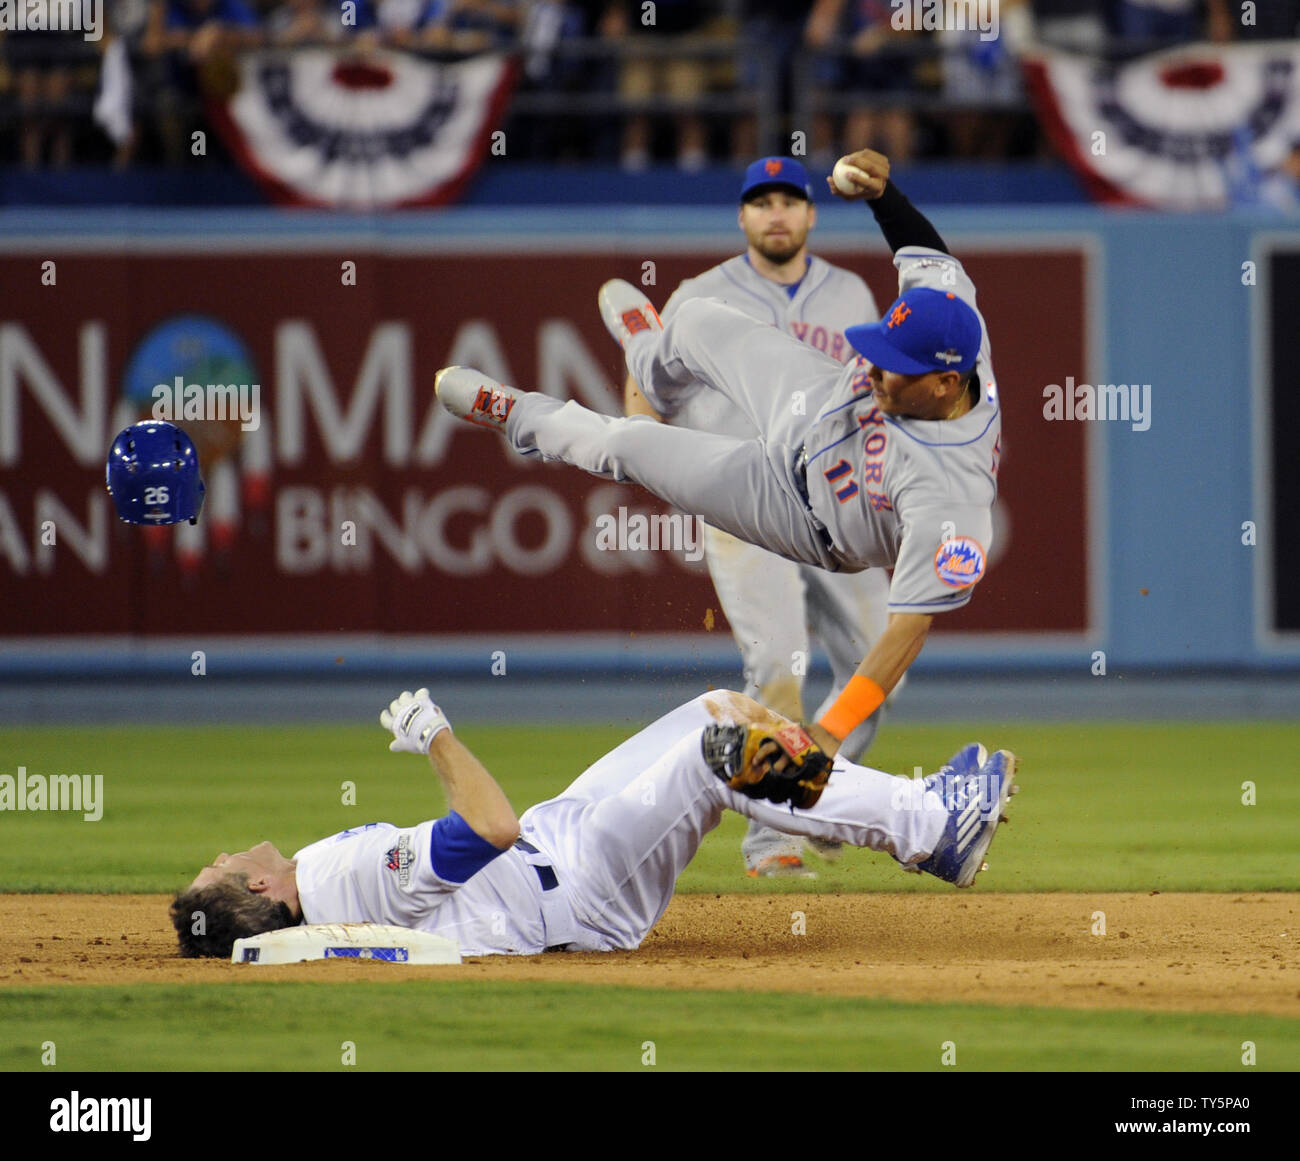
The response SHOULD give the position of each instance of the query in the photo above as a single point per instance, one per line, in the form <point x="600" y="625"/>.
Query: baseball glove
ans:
<point x="783" y="765"/>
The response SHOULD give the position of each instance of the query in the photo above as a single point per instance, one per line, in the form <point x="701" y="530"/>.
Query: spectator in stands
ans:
<point x="480" y="25"/>
<point x="981" y="83"/>
<point x="43" y="65"/>
<point x="1271" y="20"/>
<point x="545" y="23"/>
<point x="404" y="24"/>
<point x="647" y="74"/>
<point x="1291" y="166"/>
<point x="1073" y="25"/>
<point x="1153" y="24"/>
<point x="774" y="27"/>
<point x="549" y="24"/>
<point x="114" y="109"/>
<point x="879" y="66"/>
<point x="305" y="22"/>
<point x="200" y="28"/>
<point x="129" y="19"/>
<point x="187" y="39"/>
<point x="587" y="18"/>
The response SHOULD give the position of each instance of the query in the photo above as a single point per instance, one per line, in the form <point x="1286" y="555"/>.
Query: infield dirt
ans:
<point x="1169" y="952"/>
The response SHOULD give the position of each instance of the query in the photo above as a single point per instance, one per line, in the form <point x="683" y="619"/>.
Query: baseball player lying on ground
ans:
<point x="891" y="467"/>
<point x="594" y="869"/>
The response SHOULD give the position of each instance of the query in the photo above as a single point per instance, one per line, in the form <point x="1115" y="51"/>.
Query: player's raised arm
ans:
<point x="420" y="727"/>
<point x="882" y="669"/>
<point x="900" y="221"/>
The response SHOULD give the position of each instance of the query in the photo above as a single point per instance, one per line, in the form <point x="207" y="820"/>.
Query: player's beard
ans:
<point x="780" y="251"/>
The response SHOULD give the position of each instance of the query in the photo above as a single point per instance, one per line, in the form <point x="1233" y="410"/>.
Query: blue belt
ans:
<point x="800" y="474"/>
<point x="545" y="874"/>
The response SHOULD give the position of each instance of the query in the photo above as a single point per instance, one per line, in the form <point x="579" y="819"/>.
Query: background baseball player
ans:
<point x="905" y="478"/>
<point x="774" y="604"/>
<point x="594" y="869"/>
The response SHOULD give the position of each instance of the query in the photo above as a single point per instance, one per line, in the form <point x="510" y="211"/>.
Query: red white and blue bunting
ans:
<point x="377" y="131"/>
<point x="1194" y="128"/>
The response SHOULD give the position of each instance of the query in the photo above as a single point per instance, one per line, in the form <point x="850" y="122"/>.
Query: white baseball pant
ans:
<point x="773" y="606"/>
<point x="624" y="831"/>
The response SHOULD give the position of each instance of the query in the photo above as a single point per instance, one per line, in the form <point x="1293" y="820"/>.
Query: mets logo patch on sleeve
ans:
<point x="959" y="562"/>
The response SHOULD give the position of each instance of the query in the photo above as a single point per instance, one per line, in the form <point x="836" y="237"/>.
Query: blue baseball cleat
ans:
<point x="964" y="762"/>
<point x="976" y="804"/>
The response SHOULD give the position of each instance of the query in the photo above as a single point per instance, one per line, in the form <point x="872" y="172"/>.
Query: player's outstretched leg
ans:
<point x="953" y="814"/>
<point x="777" y="382"/>
<point x="476" y="398"/>
<point x="625" y="311"/>
<point x="626" y="829"/>
<point x="746" y="487"/>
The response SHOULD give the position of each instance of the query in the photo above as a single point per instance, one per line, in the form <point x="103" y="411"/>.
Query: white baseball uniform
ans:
<point x="596" y="867"/>
<point x="772" y="603"/>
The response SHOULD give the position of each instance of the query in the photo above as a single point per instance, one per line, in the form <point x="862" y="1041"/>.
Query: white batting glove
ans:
<point x="415" y="722"/>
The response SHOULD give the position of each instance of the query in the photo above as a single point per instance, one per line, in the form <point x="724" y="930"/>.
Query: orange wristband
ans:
<point x="860" y="699"/>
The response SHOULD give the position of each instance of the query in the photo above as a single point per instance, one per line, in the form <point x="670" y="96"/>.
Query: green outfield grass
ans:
<point x="428" y="1026"/>
<point x="1103" y="807"/>
<point x="1114" y="807"/>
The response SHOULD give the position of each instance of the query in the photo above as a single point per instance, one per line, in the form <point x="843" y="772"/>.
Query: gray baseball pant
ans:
<point x="753" y="489"/>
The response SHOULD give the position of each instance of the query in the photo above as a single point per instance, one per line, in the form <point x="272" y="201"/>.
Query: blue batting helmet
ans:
<point x="153" y="474"/>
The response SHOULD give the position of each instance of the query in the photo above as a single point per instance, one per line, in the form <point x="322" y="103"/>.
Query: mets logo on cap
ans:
<point x="959" y="562"/>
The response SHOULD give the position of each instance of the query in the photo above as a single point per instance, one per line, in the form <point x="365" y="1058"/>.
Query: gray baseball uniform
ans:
<point x="832" y="481"/>
<point x="826" y="301"/>
<point x="772" y="604"/>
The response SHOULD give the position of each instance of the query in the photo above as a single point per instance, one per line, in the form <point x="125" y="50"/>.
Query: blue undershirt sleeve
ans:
<point x="457" y="851"/>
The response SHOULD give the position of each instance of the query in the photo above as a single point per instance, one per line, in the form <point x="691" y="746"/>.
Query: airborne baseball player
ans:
<point x="904" y="477"/>
<point x="771" y="603"/>
<point x="595" y="868"/>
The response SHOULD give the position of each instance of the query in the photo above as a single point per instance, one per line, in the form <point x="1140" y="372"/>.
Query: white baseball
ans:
<point x="840" y="175"/>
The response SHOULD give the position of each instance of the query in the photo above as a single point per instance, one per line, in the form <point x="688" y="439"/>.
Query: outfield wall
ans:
<point x="1126" y="536"/>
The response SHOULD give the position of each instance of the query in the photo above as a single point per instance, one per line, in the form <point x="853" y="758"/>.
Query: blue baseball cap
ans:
<point x="925" y="330"/>
<point x="776" y="171"/>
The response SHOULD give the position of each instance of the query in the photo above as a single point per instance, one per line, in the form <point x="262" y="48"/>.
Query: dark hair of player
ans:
<point x="229" y="911"/>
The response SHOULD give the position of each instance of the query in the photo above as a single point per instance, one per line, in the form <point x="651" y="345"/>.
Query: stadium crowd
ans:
<point x="686" y="89"/>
